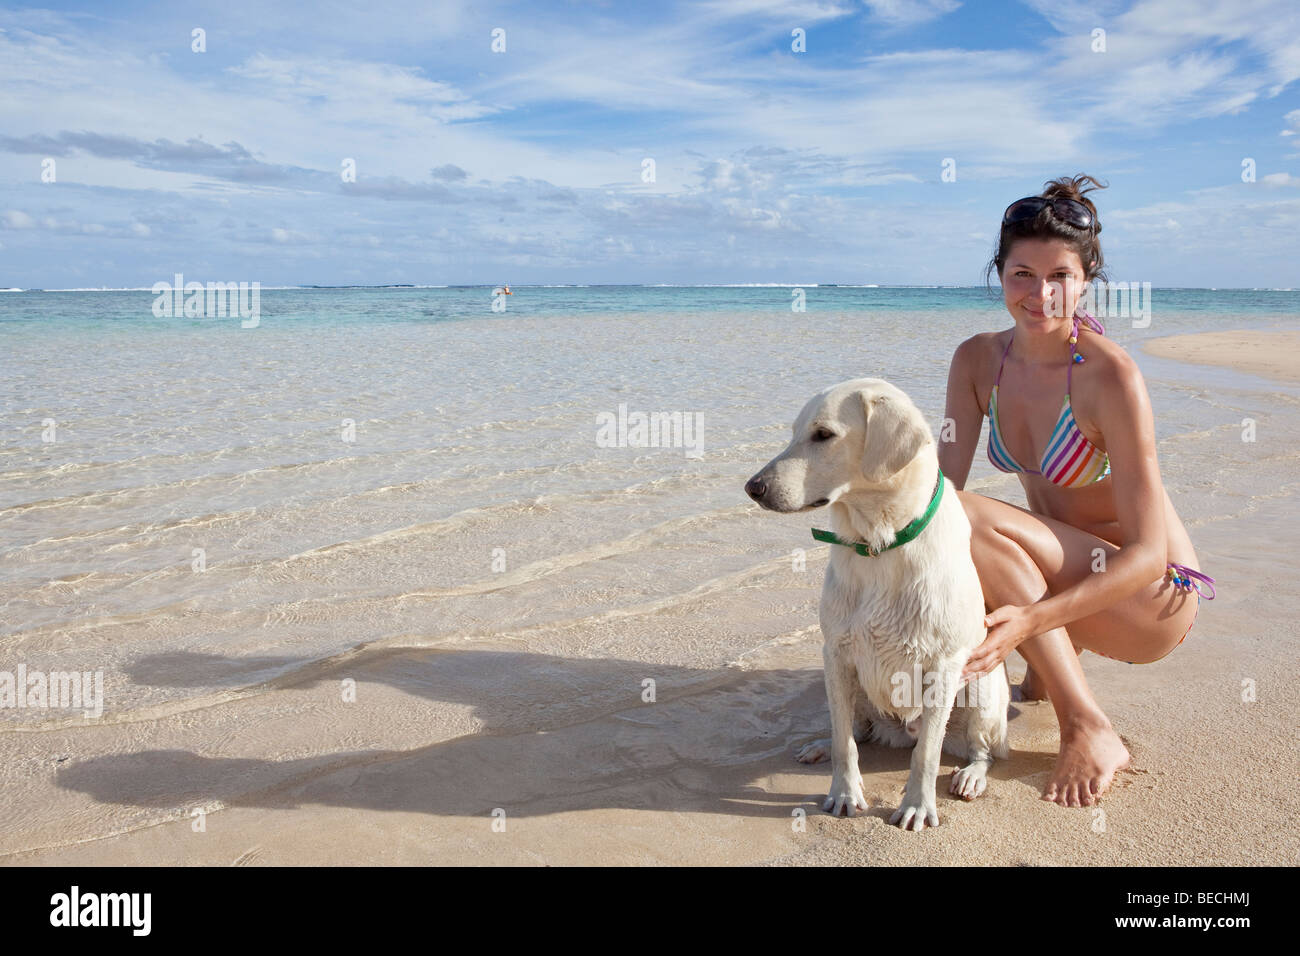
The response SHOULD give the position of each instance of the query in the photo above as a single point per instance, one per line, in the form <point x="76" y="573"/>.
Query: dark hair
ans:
<point x="1046" y="226"/>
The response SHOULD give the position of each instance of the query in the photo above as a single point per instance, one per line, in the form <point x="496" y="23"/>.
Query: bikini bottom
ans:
<point x="1185" y="579"/>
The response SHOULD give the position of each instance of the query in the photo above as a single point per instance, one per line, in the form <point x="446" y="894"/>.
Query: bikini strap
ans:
<point x="1004" y="358"/>
<point x="1092" y="324"/>
<point x="1186" y="579"/>
<point x="1075" y="358"/>
<point x="1074" y="355"/>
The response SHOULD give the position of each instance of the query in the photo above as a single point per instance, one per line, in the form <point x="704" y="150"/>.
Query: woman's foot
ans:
<point x="1091" y="753"/>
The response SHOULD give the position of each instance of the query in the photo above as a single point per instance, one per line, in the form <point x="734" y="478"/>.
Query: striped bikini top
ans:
<point x="1070" y="460"/>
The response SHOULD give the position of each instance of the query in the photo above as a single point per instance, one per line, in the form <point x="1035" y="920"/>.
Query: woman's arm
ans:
<point x="959" y="432"/>
<point x="1124" y="418"/>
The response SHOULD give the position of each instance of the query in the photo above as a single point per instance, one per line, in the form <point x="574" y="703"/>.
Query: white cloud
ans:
<point x="381" y="92"/>
<point x="1254" y="228"/>
<point x="910" y="12"/>
<point x="281" y="235"/>
<point x="1268" y="27"/>
<point x="810" y="11"/>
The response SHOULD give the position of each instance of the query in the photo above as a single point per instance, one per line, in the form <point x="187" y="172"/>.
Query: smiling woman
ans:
<point x="1091" y="564"/>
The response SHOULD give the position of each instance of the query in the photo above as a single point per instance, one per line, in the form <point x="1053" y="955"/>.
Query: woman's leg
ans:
<point x="1022" y="557"/>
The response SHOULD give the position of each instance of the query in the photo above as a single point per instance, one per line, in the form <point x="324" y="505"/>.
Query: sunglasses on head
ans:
<point x="1067" y="210"/>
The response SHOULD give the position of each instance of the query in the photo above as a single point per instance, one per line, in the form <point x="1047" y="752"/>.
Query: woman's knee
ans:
<point x="977" y="513"/>
<point x="988" y="542"/>
<point x="981" y="511"/>
<point x="1007" y="572"/>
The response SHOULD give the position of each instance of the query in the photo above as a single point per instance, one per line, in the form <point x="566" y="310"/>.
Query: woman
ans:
<point x="1099" y="561"/>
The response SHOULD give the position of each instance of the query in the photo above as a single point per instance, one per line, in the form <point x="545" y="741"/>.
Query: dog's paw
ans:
<point x="969" y="781"/>
<point x="916" y="814"/>
<point x="846" y="795"/>
<point x="815" y="752"/>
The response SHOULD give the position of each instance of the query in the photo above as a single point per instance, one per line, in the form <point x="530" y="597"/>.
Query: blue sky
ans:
<point x="525" y="166"/>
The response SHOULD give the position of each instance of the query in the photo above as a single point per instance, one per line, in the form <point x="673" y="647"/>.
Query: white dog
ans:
<point x="899" y="622"/>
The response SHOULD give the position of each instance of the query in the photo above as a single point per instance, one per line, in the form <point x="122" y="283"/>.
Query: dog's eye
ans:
<point x="823" y="434"/>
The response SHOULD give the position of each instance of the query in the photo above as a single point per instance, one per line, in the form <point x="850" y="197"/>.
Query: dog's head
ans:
<point x="852" y="436"/>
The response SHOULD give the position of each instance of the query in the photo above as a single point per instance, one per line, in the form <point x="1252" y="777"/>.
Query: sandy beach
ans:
<point x="1273" y="354"/>
<point x="544" y="717"/>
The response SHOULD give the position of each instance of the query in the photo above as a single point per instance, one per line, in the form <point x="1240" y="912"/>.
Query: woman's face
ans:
<point x="1042" y="281"/>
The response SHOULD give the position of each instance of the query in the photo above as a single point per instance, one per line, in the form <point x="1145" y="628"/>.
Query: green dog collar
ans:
<point x="903" y="536"/>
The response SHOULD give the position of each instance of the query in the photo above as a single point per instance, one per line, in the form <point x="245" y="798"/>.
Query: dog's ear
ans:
<point x="895" y="433"/>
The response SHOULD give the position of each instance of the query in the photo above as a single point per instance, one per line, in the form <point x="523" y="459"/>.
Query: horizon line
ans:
<point x="638" y="285"/>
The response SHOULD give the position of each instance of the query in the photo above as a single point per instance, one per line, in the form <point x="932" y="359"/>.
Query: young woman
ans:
<point x="1100" y="561"/>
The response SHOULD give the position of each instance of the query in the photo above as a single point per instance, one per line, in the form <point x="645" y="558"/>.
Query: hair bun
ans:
<point x="1077" y="189"/>
<point x="1045" y="224"/>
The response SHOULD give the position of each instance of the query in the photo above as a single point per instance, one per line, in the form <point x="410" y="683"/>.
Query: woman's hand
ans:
<point x="1008" y="627"/>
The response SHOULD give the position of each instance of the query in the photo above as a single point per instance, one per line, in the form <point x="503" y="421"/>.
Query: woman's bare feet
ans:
<point x="1091" y="753"/>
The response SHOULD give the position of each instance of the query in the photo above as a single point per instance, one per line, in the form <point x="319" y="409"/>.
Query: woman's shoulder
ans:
<point x="982" y="339"/>
<point x="980" y="347"/>
<point x="1110" y="379"/>
<point x="1107" y="359"/>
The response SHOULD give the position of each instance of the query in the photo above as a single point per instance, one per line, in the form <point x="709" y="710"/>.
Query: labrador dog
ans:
<point x="897" y="625"/>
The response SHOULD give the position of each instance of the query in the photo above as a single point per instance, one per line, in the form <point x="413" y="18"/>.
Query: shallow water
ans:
<point x="205" y="518"/>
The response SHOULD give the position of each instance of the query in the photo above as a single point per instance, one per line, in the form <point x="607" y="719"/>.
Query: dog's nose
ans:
<point x="756" y="488"/>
